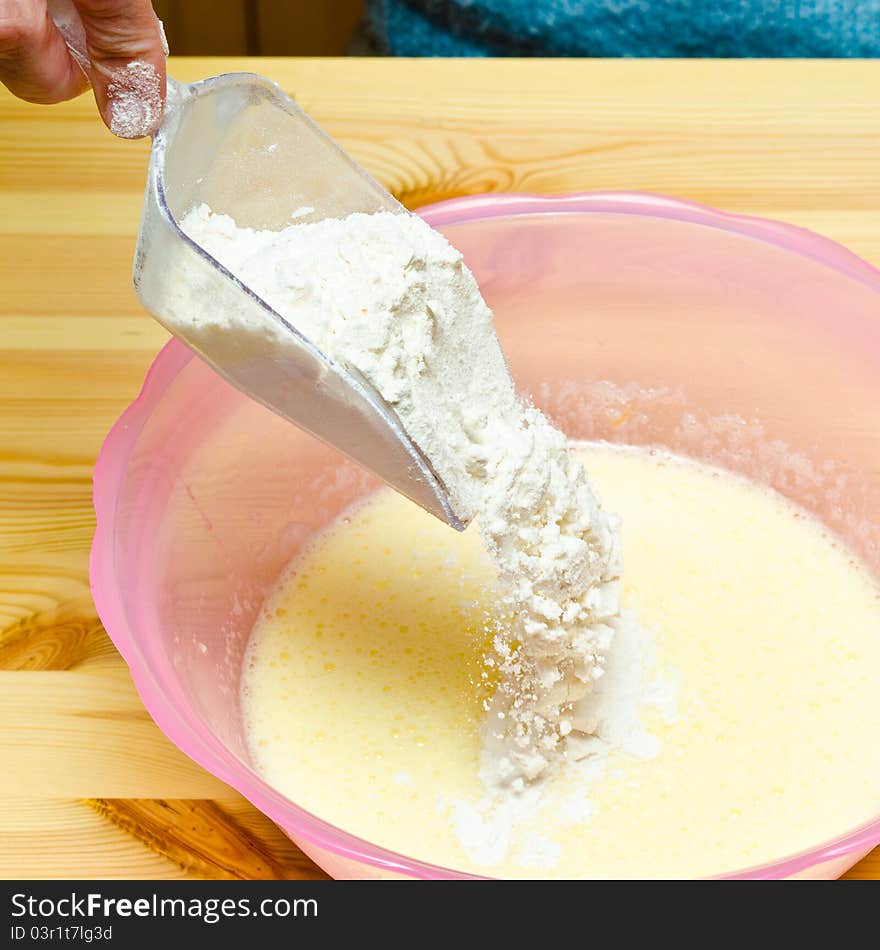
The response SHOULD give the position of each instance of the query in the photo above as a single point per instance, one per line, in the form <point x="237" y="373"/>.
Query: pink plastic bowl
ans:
<point x="630" y="317"/>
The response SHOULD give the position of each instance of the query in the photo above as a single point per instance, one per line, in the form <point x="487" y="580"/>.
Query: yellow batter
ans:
<point x="363" y="687"/>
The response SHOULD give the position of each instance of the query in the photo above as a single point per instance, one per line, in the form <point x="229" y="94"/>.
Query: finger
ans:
<point x="125" y="46"/>
<point x="35" y="63"/>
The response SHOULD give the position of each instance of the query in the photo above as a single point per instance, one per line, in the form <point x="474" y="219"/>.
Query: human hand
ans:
<point x="52" y="50"/>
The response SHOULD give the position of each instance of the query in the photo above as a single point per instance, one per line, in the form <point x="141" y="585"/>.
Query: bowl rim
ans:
<point x="212" y="755"/>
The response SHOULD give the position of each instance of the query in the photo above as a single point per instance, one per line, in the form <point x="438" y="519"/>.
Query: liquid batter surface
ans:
<point x="364" y="686"/>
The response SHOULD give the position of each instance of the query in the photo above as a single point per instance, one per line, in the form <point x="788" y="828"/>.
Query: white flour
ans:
<point x="388" y="295"/>
<point x="610" y="717"/>
<point x="134" y="96"/>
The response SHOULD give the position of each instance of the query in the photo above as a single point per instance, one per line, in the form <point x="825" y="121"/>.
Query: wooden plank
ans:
<point x="85" y="734"/>
<point x="868" y="869"/>
<point x="790" y="140"/>
<point x="47" y="837"/>
<point x="209" y="840"/>
<point x="155" y="839"/>
<point x="94" y="270"/>
<point x="65" y="637"/>
<point x="759" y="136"/>
<point x="75" y="214"/>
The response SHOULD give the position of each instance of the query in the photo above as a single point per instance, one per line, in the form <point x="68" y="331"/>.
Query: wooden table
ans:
<point x="90" y="786"/>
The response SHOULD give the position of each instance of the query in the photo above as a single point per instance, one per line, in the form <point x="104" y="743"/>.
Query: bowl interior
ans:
<point x="629" y="327"/>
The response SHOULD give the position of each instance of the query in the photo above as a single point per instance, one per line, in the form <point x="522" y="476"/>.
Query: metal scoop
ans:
<point x="239" y="144"/>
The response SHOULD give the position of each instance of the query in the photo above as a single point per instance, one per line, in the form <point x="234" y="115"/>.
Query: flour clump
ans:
<point x="389" y="296"/>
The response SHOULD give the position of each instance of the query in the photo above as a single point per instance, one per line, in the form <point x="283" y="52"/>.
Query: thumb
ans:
<point x="126" y="48"/>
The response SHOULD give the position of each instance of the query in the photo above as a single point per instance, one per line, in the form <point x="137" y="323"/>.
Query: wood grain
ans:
<point x="86" y="734"/>
<point x="153" y="838"/>
<point x="206" y="840"/>
<point x="61" y="638"/>
<point x="92" y="786"/>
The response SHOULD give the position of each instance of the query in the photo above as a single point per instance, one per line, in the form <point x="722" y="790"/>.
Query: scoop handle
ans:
<point x="176" y="92"/>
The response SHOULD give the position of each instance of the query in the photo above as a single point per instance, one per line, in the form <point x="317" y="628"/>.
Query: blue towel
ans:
<point x="661" y="28"/>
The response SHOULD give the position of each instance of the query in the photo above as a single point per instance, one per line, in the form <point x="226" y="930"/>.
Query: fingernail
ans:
<point x="162" y="37"/>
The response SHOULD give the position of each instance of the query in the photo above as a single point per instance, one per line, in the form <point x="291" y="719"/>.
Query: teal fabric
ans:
<point x="662" y="28"/>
